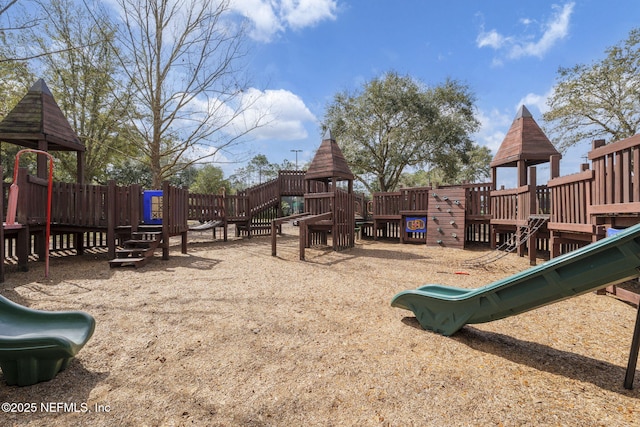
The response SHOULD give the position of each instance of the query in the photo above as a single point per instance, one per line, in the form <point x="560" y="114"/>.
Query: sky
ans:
<point x="303" y="52"/>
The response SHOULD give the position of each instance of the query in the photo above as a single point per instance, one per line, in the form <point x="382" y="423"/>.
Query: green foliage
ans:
<point x="90" y="92"/>
<point x="185" y="178"/>
<point x="476" y="169"/>
<point x="598" y="101"/>
<point x="210" y="180"/>
<point x="131" y="172"/>
<point x="257" y="171"/>
<point x="395" y="122"/>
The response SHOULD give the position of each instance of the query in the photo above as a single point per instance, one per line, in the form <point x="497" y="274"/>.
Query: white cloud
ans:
<point x="285" y="114"/>
<point x="493" y="128"/>
<point x="492" y="39"/>
<point x="262" y="115"/>
<point x="538" y="101"/>
<point x="261" y="14"/>
<point x="303" y="13"/>
<point x="271" y="17"/>
<point x="556" y="29"/>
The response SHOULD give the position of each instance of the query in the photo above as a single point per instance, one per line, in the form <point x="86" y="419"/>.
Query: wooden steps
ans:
<point x="139" y="249"/>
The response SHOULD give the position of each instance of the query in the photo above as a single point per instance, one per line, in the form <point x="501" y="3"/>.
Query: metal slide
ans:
<point x="446" y="309"/>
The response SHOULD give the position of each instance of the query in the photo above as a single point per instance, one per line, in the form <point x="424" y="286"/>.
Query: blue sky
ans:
<point x="508" y="53"/>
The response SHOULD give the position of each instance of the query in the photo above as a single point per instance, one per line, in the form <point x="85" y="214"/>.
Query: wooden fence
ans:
<point x="616" y="169"/>
<point x="570" y="202"/>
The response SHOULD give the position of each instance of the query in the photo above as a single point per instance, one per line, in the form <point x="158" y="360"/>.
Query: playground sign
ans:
<point x="416" y="224"/>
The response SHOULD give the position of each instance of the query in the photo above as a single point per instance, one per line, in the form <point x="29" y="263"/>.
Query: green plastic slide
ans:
<point x="446" y="309"/>
<point x="35" y="345"/>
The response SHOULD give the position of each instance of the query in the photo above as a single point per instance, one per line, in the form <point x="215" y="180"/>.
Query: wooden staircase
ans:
<point x="138" y="250"/>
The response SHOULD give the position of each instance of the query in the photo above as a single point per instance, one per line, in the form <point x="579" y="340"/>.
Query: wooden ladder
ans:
<point x="138" y="250"/>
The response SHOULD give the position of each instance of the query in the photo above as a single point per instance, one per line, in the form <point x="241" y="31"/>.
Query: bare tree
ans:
<point x="5" y="5"/>
<point x="185" y="59"/>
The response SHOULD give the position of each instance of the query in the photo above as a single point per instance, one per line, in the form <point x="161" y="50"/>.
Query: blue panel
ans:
<point x="152" y="207"/>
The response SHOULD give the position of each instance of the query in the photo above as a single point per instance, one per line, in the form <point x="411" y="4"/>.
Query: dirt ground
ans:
<point x="228" y="335"/>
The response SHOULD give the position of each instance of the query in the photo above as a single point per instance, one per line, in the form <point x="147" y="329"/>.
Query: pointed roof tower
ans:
<point x="329" y="162"/>
<point x="37" y="118"/>
<point x="524" y="141"/>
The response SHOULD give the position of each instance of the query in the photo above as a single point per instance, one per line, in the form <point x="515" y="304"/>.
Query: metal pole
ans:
<point x="296" y="151"/>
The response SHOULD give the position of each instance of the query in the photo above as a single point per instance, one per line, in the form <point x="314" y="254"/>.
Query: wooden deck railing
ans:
<point x="570" y="201"/>
<point x="236" y="206"/>
<point x="32" y="199"/>
<point x="291" y="182"/>
<point x="512" y="206"/>
<point x="542" y="200"/>
<point x="616" y="168"/>
<point x="478" y="200"/>
<point x="318" y="203"/>
<point x="175" y="210"/>
<point x="515" y="206"/>
<point x="415" y="199"/>
<point x="125" y="204"/>
<point x="390" y="204"/>
<point x="206" y="207"/>
<point x="263" y="196"/>
<point x="79" y="204"/>
<point x="344" y="221"/>
<point x="387" y="205"/>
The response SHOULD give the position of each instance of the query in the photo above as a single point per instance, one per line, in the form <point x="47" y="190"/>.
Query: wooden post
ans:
<point x="111" y="219"/>
<point x="273" y="238"/>
<point x="2" y="243"/>
<point x="165" y="220"/>
<point x="42" y="161"/>
<point x="80" y="162"/>
<point x="23" y="248"/>
<point x="303" y="238"/>
<point x="554" y="168"/>
<point x="522" y="173"/>
<point x="494" y="178"/>
<point x="532" y="242"/>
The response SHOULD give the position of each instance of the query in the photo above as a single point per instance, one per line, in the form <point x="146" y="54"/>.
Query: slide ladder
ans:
<point x="511" y="244"/>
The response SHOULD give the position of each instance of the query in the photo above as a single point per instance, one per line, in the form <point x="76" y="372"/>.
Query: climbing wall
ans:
<point x="445" y="218"/>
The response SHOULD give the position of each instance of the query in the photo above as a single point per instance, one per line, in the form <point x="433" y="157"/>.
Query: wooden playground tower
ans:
<point x="523" y="212"/>
<point x="329" y="206"/>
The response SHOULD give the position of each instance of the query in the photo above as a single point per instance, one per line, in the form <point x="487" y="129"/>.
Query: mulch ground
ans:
<point x="228" y="335"/>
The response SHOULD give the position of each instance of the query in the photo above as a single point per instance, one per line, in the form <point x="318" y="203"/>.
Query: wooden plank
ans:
<point x="614" y="208"/>
<point x="574" y="228"/>
<point x="635" y="186"/>
<point x="609" y="180"/>
<point x="625" y="177"/>
<point x="581" y="176"/>
<point x="623" y="144"/>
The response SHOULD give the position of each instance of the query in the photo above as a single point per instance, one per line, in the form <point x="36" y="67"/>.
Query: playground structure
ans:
<point x="329" y="209"/>
<point x="563" y="215"/>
